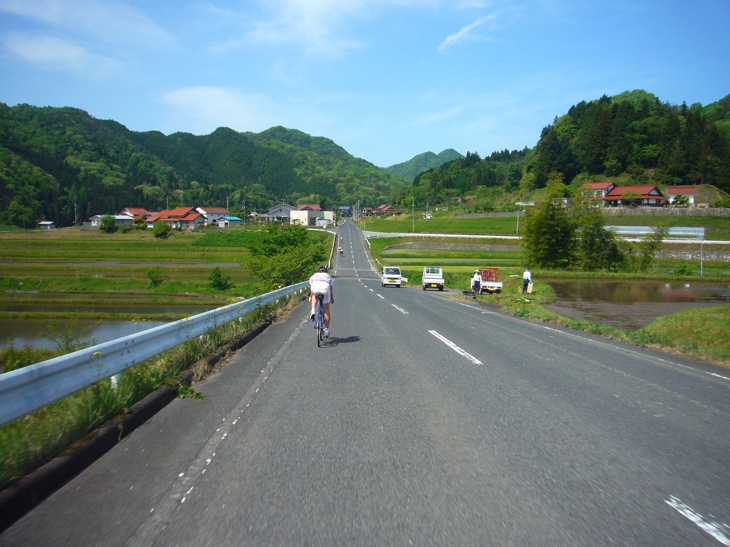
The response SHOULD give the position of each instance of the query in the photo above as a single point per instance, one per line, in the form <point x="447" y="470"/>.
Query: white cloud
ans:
<point x="57" y="54"/>
<point x="315" y="27"/>
<point x="464" y="32"/>
<point x="110" y="22"/>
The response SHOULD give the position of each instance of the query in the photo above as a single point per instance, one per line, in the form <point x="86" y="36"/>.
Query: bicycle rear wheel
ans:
<point x="319" y="323"/>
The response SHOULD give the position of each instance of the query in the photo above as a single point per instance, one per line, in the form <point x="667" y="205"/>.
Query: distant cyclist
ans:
<point x="321" y="283"/>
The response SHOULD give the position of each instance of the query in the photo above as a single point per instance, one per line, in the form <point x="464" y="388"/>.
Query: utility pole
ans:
<point x="413" y="213"/>
<point x="519" y="208"/>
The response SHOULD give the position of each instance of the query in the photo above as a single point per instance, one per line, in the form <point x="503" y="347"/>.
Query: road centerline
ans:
<point x="456" y="348"/>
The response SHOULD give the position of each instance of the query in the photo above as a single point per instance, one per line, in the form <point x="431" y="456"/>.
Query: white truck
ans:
<point x="392" y="276"/>
<point x="433" y="278"/>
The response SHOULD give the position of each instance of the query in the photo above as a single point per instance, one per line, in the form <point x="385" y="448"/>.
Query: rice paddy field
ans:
<point x="72" y="261"/>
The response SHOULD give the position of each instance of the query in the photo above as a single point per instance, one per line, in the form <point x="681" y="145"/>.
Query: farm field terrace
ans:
<point x="63" y="263"/>
<point x="460" y="256"/>
<point x="716" y="228"/>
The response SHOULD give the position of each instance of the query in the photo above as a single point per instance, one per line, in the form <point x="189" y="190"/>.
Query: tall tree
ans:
<point x="548" y="235"/>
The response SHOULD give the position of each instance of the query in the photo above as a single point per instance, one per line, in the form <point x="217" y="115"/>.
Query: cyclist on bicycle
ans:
<point x="321" y="283"/>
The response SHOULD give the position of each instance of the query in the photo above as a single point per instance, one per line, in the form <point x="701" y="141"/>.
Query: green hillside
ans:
<point x="630" y="139"/>
<point x="62" y="164"/>
<point x="423" y="162"/>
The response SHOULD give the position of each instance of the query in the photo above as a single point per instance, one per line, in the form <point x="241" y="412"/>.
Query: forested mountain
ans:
<point x="423" y="162"/>
<point x="330" y="171"/>
<point x="631" y="138"/>
<point x="62" y="164"/>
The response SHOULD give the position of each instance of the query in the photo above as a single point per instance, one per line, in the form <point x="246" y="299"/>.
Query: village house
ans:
<point x="212" y="214"/>
<point x="119" y="220"/>
<point x="47" y="225"/>
<point x="673" y="192"/>
<point x="635" y="195"/>
<point x="607" y="194"/>
<point x="385" y="209"/>
<point x="184" y="218"/>
<point x="308" y="217"/>
<point x="136" y="212"/>
<point x="594" y="193"/>
<point x="308" y="207"/>
<point x="259" y="217"/>
<point x="345" y="210"/>
<point x="281" y="212"/>
<point x="228" y="221"/>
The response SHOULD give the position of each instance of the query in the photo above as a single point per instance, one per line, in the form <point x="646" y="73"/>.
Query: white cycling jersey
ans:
<point x="320" y="283"/>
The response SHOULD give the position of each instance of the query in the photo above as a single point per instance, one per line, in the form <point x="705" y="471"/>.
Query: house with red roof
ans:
<point x="609" y="195"/>
<point x="673" y="192"/>
<point x="385" y="209"/>
<point x="308" y="207"/>
<point x="184" y="218"/>
<point x="647" y="194"/>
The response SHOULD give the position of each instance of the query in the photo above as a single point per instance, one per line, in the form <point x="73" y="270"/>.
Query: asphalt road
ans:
<point x="423" y="420"/>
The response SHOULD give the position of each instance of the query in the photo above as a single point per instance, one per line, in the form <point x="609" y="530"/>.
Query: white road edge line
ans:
<point x="456" y="348"/>
<point x="483" y="312"/>
<point x="633" y="352"/>
<point x="715" y="529"/>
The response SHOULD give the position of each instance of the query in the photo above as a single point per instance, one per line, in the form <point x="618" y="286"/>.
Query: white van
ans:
<point x="391" y="276"/>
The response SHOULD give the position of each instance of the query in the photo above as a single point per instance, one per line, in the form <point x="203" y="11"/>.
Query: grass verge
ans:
<point x="697" y="333"/>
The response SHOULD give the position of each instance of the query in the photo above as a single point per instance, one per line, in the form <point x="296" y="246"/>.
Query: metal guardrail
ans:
<point x="30" y="388"/>
<point x="677" y="231"/>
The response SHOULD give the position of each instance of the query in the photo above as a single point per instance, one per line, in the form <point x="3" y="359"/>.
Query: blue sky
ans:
<point x="385" y="79"/>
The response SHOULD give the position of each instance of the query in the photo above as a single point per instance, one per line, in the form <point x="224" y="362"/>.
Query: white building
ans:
<point x="212" y="214"/>
<point x="312" y="218"/>
<point x="119" y="220"/>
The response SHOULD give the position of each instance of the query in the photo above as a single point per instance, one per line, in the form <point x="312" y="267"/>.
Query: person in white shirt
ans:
<point x="476" y="281"/>
<point x="321" y="283"/>
<point x="526" y="279"/>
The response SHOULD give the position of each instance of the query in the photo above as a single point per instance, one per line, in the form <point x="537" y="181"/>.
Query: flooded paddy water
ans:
<point x="20" y="332"/>
<point x="632" y="304"/>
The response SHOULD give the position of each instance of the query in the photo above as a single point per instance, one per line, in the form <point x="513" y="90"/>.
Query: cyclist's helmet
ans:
<point x="322" y="269"/>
